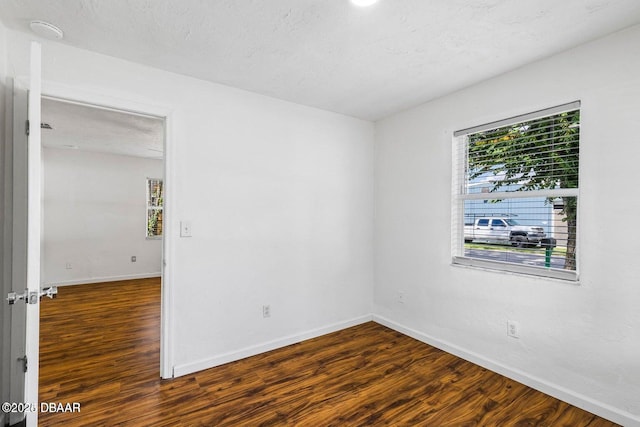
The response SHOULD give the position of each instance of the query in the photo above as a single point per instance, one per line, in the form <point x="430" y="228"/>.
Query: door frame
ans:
<point x="83" y="96"/>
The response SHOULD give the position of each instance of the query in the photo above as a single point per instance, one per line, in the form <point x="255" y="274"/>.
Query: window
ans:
<point x="515" y="194"/>
<point x="155" y="199"/>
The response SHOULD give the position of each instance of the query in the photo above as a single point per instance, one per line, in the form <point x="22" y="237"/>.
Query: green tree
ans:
<point x="534" y="155"/>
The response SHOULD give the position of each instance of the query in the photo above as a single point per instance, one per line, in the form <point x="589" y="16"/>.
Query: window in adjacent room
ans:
<point x="515" y="194"/>
<point x="155" y="197"/>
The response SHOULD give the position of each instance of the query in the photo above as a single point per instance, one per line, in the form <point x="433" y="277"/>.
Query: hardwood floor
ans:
<point x="100" y="347"/>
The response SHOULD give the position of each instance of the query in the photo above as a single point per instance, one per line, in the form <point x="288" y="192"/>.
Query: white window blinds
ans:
<point x="516" y="185"/>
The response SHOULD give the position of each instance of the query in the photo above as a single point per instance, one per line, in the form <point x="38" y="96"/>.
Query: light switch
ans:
<point x="185" y="228"/>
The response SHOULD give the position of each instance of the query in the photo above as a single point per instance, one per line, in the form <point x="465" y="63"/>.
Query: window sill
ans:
<point x="565" y="276"/>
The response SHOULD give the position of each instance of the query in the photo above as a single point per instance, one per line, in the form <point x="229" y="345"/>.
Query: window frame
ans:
<point x="151" y="207"/>
<point x="460" y="195"/>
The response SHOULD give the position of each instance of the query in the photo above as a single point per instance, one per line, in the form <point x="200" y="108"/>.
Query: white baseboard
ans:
<point x="200" y="365"/>
<point x="102" y="279"/>
<point x="576" y="399"/>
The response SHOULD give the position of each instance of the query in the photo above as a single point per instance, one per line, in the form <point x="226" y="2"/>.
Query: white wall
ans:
<point x="95" y="217"/>
<point x="580" y="342"/>
<point x="280" y="197"/>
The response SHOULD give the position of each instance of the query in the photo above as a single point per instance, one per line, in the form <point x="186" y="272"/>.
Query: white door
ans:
<point x="34" y="200"/>
<point x="25" y="299"/>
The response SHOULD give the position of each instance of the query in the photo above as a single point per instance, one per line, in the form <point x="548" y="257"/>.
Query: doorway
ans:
<point x="103" y="196"/>
<point x="102" y="220"/>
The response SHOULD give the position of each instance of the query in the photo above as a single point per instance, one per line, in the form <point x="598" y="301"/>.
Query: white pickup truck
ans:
<point x="505" y="230"/>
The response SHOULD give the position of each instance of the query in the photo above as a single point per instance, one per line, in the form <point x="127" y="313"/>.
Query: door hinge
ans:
<point x="26" y="129"/>
<point x="25" y="363"/>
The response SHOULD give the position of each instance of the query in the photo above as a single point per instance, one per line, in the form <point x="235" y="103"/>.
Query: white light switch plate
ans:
<point x="185" y="228"/>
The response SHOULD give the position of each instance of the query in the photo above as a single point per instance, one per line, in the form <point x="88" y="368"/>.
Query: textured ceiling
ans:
<point x="363" y="62"/>
<point x="83" y="127"/>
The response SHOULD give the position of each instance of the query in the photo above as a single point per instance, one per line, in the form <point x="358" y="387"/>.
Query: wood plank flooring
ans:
<point x="100" y="347"/>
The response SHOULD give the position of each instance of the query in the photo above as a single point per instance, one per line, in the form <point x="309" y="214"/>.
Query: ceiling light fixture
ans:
<point x="46" y="30"/>
<point x="363" y="3"/>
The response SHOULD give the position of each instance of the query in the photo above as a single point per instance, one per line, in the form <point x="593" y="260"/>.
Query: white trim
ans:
<point x="521" y="118"/>
<point x="148" y="108"/>
<point x="34" y="226"/>
<point x="89" y="280"/>
<point x="253" y="350"/>
<point x="71" y="94"/>
<point x="576" y="399"/>
<point x="460" y="194"/>
<point x="503" y="195"/>
<point x="529" y="270"/>
<point x="167" y="355"/>
<point x="99" y="106"/>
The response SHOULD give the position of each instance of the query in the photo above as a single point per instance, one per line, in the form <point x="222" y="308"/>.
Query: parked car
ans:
<point x="504" y="230"/>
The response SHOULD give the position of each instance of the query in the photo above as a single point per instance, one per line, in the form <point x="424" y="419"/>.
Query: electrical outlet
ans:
<point x="266" y="311"/>
<point x="68" y="266"/>
<point x="513" y="329"/>
<point x="401" y="297"/>
<point x="133" y="258"/>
